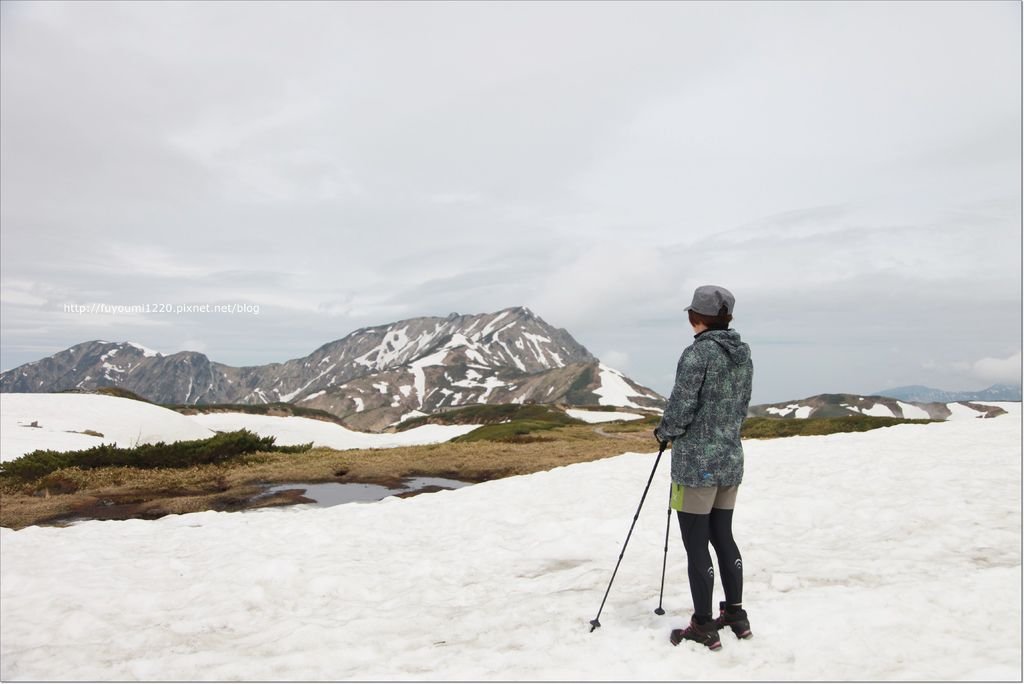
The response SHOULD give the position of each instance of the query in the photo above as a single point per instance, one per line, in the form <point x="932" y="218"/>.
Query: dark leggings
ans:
<point x="698" y="530"/>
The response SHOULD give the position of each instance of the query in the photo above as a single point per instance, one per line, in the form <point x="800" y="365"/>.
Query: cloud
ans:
<point x="589" y="283"/>
<point x="24" y="293"/>
<point x="616" y="359"/>
<point x="1002" y="371"/>
<point x="348" y="164"/>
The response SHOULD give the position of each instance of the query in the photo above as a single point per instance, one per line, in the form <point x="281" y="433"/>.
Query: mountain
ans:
<point x="837" y="405"/>
<point x="370" y="378"/>
<point x="928" y="394"/>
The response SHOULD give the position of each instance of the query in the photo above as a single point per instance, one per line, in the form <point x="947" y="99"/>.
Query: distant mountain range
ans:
<point x="837" y="405"/>
<point x="930" y="394"/>
<point x="370" y="378"/>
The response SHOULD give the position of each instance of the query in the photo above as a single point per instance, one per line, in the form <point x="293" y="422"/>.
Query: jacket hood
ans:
<point x="730" y="341"/>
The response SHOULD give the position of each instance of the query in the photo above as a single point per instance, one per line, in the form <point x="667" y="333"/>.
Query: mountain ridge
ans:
<point x="839" y="405"/>
<point x="921" y="393"/>
<point x="370" y="378"/>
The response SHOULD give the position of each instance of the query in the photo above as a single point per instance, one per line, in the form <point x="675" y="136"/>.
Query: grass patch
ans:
<point x="605" y="408"/>
<point x="514" y="431"/>
<point x="515" y="423"/>
<point x="768" y="428"/>
<point x="490" y="414"/>
<point x="184" y="454"/>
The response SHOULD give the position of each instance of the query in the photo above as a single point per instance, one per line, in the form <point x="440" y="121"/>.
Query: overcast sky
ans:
<point x="852" y="172"/>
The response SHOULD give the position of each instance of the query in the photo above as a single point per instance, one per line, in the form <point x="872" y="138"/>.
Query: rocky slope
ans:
<point x="371" y="378"/>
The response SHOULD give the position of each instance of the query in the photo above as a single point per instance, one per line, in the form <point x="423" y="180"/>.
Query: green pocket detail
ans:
<point x="676" y="500"/>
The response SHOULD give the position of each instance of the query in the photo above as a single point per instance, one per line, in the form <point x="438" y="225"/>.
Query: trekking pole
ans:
<point x="664" y="561"/>
<point x="596" y="622"/>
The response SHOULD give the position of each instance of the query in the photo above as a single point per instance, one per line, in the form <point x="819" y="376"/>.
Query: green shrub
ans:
<point x="765" y="428"/>
<point x="184" y="454"/>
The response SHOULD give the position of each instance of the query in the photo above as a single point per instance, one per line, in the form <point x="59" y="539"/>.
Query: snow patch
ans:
<point x="489" y="384"/>
<point x="958" y="411"/>
<point x="292" y="395"/>
<point x="419" y="378"/>
<point x="614" y="390"/>
<point x="602" y="416"/>
<point x="782" y="412"/>
<point x="911" y="411"/>
<point x="490" y="326"/>
<point x="879" y="410"/>
<point x="146" y="351"/>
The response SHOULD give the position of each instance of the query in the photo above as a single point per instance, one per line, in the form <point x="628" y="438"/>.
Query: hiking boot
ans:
<point x="736" y="621"/>
<point x="705" y="634"/>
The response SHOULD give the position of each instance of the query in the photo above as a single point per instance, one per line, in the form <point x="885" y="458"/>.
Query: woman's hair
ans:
<point x="712" y="322"/>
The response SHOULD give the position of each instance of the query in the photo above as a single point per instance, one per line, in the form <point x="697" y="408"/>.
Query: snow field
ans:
<point x="126" y="422"/>
<point x="291" y="430"/>
<point x="890" y="554"/>
<point x="63" y="417"/>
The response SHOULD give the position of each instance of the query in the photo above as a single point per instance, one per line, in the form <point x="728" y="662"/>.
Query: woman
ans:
<point x="702" y="420"/>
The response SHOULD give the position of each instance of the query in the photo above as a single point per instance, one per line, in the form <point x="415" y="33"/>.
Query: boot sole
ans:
<point x="676" y="637"/>
<point x="739" y="632"/>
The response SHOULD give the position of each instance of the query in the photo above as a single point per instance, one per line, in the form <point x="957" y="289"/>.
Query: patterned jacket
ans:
<point x="706" y="410"/>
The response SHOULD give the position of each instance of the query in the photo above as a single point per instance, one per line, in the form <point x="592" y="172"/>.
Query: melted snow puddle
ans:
<point x="326" y="494"/>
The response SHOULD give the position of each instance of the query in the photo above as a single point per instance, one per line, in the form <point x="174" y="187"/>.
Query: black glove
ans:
<point x="662" y="442"/>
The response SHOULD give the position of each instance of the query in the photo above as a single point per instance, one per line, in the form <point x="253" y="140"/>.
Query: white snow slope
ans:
<point x="290" y="430"/>
<point x="890" y="554"/>
<point x="615" y="391"/>
<point x="63" y="417"/>
<point x="126" y="422"/>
